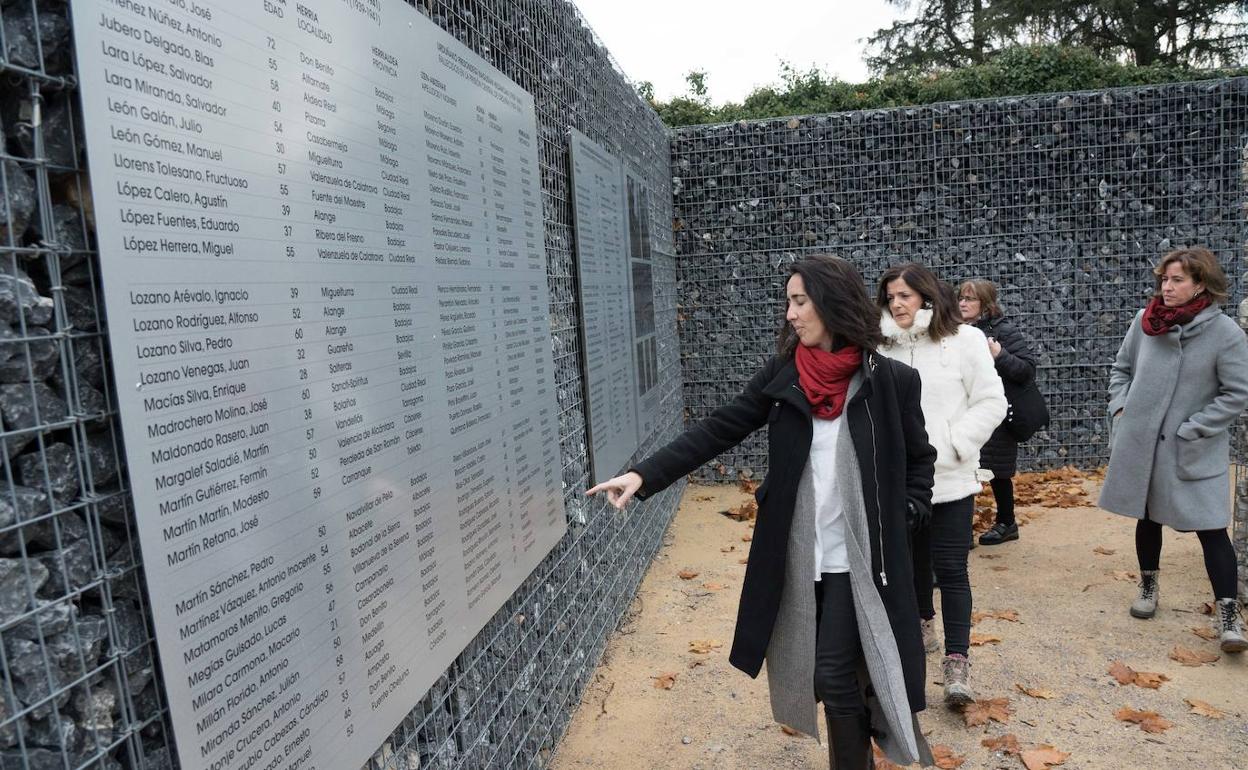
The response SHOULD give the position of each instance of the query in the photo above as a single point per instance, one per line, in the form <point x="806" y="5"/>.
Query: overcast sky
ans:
<point x="738" y="44"/>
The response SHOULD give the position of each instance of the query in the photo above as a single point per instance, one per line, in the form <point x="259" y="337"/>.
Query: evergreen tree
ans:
<point x="944" y="34"/>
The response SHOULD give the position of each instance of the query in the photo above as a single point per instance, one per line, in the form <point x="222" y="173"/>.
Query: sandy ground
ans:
<point x="1071" y="603"/>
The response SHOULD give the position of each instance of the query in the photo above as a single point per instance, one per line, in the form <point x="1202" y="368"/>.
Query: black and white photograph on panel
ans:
<point x="645" y="349"/>
<point x="607" y="310"/>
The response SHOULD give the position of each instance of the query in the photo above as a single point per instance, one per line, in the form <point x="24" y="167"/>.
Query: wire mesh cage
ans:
<point x="81" y="686"/>
<point x="1064" y="200"/>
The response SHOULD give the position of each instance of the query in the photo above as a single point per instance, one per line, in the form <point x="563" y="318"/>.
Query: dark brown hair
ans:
<point x="1201" y="265"/>
<point x="986" y="292"/>
<point x="945" y="317"/>
<point x="836" y="289"/>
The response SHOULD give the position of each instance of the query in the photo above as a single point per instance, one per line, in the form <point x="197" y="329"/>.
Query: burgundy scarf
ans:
<point x="825" y="376"/>
<point x="1159" y="319"/>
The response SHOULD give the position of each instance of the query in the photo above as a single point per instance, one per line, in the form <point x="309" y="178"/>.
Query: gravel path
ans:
<point x="1071" y="602"/>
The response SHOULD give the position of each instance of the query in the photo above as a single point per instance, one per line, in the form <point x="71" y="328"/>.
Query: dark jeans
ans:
<point x="942" y="547"/>
<point x="1003" y="493"/>
<point x="838" y="650"/>
<point x="1219" y="554"/>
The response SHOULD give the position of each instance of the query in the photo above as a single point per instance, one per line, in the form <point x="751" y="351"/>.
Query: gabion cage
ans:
<point x="1064" y="200"/>
<point x="81" y="686"/>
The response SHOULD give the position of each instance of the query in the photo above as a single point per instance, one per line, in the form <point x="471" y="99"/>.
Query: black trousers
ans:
<point x="1003" y="493"/>
<point x="1216" y="544"/>
<point x="942" y="547"/>
<point x="838" y="650"/>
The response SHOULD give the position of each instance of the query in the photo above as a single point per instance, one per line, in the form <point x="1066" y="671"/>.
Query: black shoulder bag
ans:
<point x="1027" y="412"/>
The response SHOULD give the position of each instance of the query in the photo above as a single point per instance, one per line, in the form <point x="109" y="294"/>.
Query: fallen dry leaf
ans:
<point x="743" y="561"/>
<point x="990" y="556"/>
<point x="686" y="574"/>
<point x="882" y="762"/>
<point x="664" y="681"/>
<point x="1149" y="721"/>
<point x="1206" y="608"/>
<point x="1205" y="632"/>
<point x="1007" y="744"/>
<point x="979" y="640"/>
<point x="1000" y="569"/>
<point x="746" y="511"/>
<point x="714" y="586"/>
<point x="728" y="548"/>
<point x="1059" y="488"/>
<point x="696" y="662"/>
<point x="704" y="646"/>
<point x="788" y="730"/>
<point x="747" y="537"/>
<point x="1010" y="615"/>
<point x="1204" y="709"/>
<point x="1192" y="657"/>
<point x="1150" y="680"/>
<point x="747" y="486"/>
<point x="1104" y="551"/>
<point x="1042" y="757"/>
<point x="1127" y="576"/>
<point x="1036" y="692"/>
<point x="981" y="711"/>
<point x="945" y="758"/>
<point x="1124" y="674"/>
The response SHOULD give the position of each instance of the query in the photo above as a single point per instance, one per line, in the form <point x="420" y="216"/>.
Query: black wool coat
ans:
<point x="1017" y="363"/>
<point x="885" y="420"/>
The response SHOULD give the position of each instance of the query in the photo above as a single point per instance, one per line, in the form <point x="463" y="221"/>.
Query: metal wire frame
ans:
<point x="78" y="572"/>
<point x="1063" y="199"/>
<point x="508" y="698"/>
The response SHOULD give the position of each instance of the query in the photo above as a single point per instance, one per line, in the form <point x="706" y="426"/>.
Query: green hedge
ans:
<point x="1013" y="72"/>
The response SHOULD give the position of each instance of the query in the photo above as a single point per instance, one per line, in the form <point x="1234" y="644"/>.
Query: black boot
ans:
<point x="849" y="743"/>
<point x="1000" y="533"/>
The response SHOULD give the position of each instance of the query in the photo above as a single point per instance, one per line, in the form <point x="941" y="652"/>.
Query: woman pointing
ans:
<point x="828" y="589"/>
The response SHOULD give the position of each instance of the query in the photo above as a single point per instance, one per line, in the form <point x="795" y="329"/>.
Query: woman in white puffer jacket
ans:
<point x="963" y="402"/>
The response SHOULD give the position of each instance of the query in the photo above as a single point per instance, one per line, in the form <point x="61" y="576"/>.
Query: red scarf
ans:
<point x="1159" y="319"/>
<point x="825" y="376"/>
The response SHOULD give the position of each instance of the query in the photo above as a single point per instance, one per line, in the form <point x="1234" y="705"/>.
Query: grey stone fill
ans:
<point x="19" y="206"/>
<point x="19" y="299"/>
<point x="26" y="30"/>
<point x="56" y="469"/>
<point x="18" y="404"/>
<point x="1064" y="200"/>
<point x="20" y="358"/>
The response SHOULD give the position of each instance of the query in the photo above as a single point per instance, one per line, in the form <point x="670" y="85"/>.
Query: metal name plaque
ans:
<point x="320" y="229"/>
<point x="598" y="206"/>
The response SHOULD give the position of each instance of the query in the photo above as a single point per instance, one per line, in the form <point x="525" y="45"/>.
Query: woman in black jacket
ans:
<point x="1015" y="361"/>
<point x="828" y="590"/>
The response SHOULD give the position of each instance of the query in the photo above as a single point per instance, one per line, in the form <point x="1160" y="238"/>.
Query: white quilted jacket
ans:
<point x="963" y="399"/>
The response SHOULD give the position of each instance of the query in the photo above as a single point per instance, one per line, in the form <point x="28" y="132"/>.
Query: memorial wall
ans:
<point x="328" y="288"/>
<point x="1065" y="200"/>
<point x="332" y="246"/>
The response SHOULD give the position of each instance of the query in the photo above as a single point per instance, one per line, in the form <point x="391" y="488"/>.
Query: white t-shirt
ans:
<point x="830" y="552"/>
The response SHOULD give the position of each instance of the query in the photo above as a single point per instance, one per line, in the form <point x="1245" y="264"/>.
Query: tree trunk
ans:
<point x="978" y="44"/>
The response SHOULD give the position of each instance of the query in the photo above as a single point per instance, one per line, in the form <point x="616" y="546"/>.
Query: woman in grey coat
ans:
<point x="1179" y="381"/>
